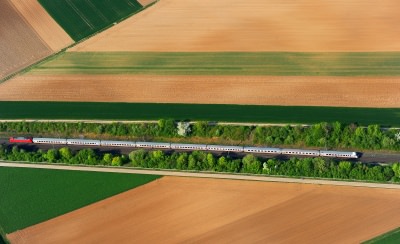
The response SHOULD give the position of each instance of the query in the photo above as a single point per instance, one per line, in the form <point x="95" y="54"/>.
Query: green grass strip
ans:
<point x="30" y="196"/>
<point x="207" y="112"/>
<point x="391" y="237"/>
<point x="225" y="63"/>
<point x="82" y="18"/>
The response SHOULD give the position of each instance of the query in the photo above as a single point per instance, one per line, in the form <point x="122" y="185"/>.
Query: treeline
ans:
<point x="205" y="161"/>
<point x="322" y="135"/>
<point x="63" y="155"/>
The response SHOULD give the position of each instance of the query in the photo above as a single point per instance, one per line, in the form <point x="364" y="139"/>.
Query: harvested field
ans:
<point x="20" y="45"/>
<point x="259" y="90"/>
<point x="49" y="31"/>
<point x="256" y="25"/>
<point x="178" y="210"/>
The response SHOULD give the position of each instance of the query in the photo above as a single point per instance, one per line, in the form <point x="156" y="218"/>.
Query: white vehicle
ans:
<point x="300" y="152"/>
<point x="188" y="146"/>
<point x="262" y="150"/>
<point x="83" y="142"/>
<point x="338" y="154"/>
<point x="224" y="148"/>
<point x="62" y="141"/>
<point x="105" y="143"/>
<point x="161" y="145"/>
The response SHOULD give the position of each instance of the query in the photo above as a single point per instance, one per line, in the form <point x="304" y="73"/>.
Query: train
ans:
<point x="183" y="146"/>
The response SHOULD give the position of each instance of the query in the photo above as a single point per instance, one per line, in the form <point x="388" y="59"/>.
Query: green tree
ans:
<point x="116" y="161"/>
<point x="51" y="155"/>
<point x="108" y="158"/>
<point x="65" y="153"/>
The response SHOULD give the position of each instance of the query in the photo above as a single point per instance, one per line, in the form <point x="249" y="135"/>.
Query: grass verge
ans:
<point x="31" y="196"/>
<point x="225" y="63"/>
<point x="207" y="112"/>
<point x="391" y="237"/>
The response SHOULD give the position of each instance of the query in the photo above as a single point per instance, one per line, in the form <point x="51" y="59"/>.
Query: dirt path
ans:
<point x="182" y="210"/>
<point x="268" y="90"/>
<point x="49" y="31"/>
<point x="256" y="25"/>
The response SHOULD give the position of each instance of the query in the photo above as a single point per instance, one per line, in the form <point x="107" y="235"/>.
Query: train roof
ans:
<point x="83" y="140"/>
<point x="49" y="139"/>
<point x="187" y="144"/>
<point x="298" y="150"/>
<point x="115" y="142"/>
<point x="263" y="148"/>
<point x="224" y="146"/>
<point x="152" y="143"/>
<point x="338" y="152"/>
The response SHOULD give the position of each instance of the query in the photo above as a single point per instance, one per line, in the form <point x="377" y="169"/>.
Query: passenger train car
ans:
<point x="179" y="146"/>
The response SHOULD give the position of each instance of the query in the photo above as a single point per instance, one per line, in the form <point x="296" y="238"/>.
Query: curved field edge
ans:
<point x="225" y="63"/>
<point x="386" y="117"/>
<point x="31" y="196"/>
<point x="84" y="18"/>
<point x="391" y="237"/>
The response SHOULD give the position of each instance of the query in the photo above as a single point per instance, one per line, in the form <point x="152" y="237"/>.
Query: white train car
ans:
<point x="106" y="143"/>
<point x="300" y="152"/>
<point x="61" y="141"/>
<point x="224" y="148"/>
<point x="338" y="154"/>
<point x="83" y="142"/>
<point x="179" y="146"/>
<point x="160" y="145"/>
<point x="268" y="150"/>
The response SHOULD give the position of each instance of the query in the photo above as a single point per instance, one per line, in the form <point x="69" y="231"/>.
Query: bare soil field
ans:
<point x="188" y="210"/>
<point x="256" y="25"/>
<point x="45" y="26"/>
<point x="20" y="45"/>
<point x="258" y="90"/>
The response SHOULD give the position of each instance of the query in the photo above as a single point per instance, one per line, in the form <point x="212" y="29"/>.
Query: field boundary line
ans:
<point x="198" y="175"/>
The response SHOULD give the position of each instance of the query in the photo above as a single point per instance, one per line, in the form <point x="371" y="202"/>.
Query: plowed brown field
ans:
<point x="20" y="45"/>
<point x="186" y="210"/>
<point x="49" y="31"/>
<point x="316" y="91"/>
<point x="256" y="25"/>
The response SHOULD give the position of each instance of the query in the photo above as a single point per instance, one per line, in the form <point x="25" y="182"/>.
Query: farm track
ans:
<point x="215" y="211"/>
<point x="258" y="90"/>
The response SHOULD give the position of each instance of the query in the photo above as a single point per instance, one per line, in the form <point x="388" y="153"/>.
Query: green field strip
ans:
<point x="391" y="237"/>
<point x="206" y="112"/>
<point x="81" y="18"/>
<point x="224" y="63"/>
<point x="31" y="196"/>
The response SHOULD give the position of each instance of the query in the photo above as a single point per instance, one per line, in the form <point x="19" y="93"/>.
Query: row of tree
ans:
<point x="63" y="155"/>
<point x="205" y="161"/>
<point x="325" y="135"/>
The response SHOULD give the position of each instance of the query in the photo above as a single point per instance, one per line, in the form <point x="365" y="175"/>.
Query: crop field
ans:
<point x="224" y="63"/>
<point x="83" y="18"/>
<point x="205" y="89"/>
<point x="45" y="26"/>
<point x="30" y="196"/>
<point x="255" y="26"/>
<point x="205" y="112"/>
<point x="229" y="211"/>
<point x="20" y="45"/>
